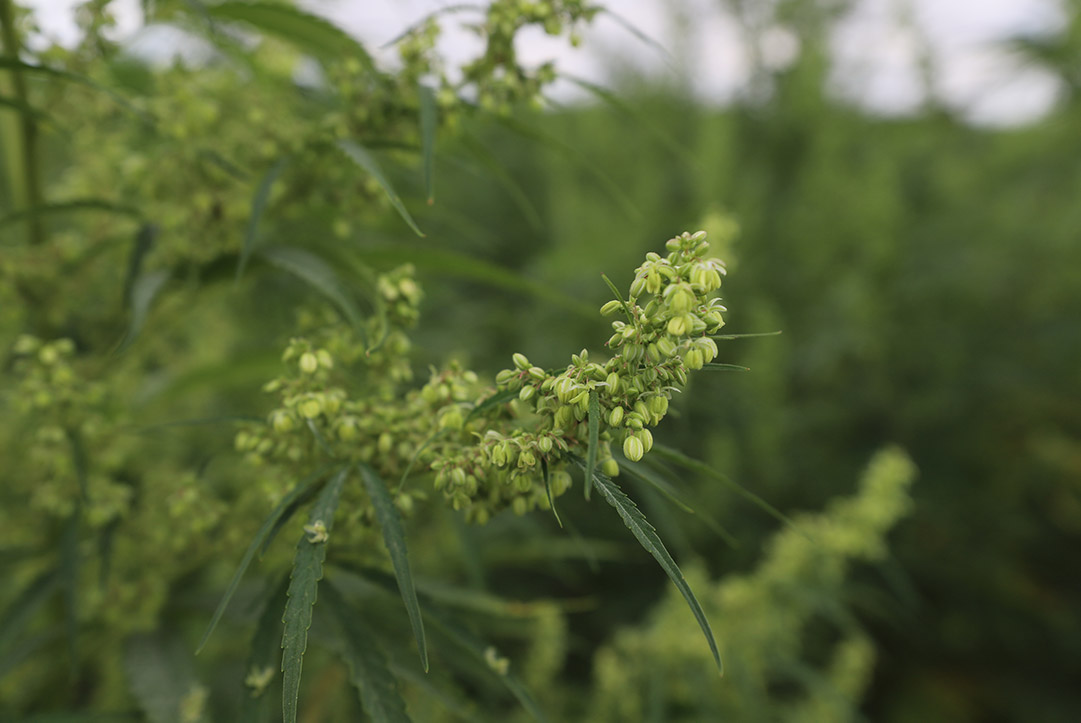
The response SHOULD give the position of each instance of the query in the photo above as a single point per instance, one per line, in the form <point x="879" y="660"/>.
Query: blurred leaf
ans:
<point x="144" y="241"/>
<point x="368" y="667"/>
<point x="494" y="167"/>
<point x="674" y="455"/>
<point x="303" y="592"/>
<point x="647" y="536"/>
<point x="310" y="33"/>
<point x="258" y="206"/>
<point x="21" y="611"/>
<point x="158" y="675"/>
<point x="548" y="489"/>
<point x="594" y="433"/>
<point x="428" y="122"/>
<point x="434" y="14"/>
<point x="22" y="107"/>
<point x="499" y="398"/>
<point x="640" y="34"/>
<point x="394" y="538"/>
<point x="666" y="490"/>
<point x="143" y="292"/>
<point x="82" y="204"/>
<point x="365" y="160"/>
<point x="715" y="367"/>
<point x="454" y="264"/>
<point x="285" y="509"/>
<point x="745" y="336"/>
<point x="263" y="656"/>
<point x="8" y="63"/>
<point x="318" y="274"/>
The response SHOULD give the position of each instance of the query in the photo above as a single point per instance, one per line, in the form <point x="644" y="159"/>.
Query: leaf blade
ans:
<point x="645" y="534"/>
<point x="258" y="206"/>
<point x="360" y="156"/>
<point x="394" y="538"/>
<point x="318" y="274"/>
<point x="428" y="122"/>
<point x="303" y="592"/>
<point x="594" y="434"/>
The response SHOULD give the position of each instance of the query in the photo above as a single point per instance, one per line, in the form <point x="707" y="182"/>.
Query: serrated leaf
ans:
<point x="394" y="537"/>
<point x="278" y="517"/>
<point x="258" y="206"/>
<point x="318" y="274"/>
<point x="645" y="534"/>
<point x="303" y="592"/>
<point x="263" y="657"/>
<point x="369" y="670"/>
<point x="594" y="433"/>
<point x="674" y="455"/>
<point x="360" y="155"/>
<point x="428" y="122"/>
<point x="310" y="33"/>
<point x="17" y="615"/>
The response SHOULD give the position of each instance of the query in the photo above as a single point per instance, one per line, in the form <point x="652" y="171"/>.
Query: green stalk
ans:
<point x="20" y="136"/>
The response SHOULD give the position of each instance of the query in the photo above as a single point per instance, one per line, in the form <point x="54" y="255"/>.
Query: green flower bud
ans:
<point x="615" y="417"/>
<point x="564" y="418"/>
<point x="347" y="429"/>
<point x="325" y="359"/>
<point x="521" y="361"/>
<point x="526" y="393"/>
<point x="505" y="377"/>
<point x="560" y="481"/>
<point x="633" y="449"/>
<point x="526" y="459"/>
<point x="537" y="373"/>
<point x="309" y="363"/>
<point x="653" y="353"/>
<point x="680" y="298"/>
<point x="658" y="406"/>
<point x="311" y="408"/>
<point x="520" y="506"/>
<point x="638" y="286"/>
<point x="282" y="421"/>
<point x="653" y="282"/>
<point x="611" y="307"/>
<point x="678" y="326"/>
<point x="498" y="455"/>
<point x="404" y="503"/>
<point x="610" y="467"/>
<point x="693" y="359"/>
<point x="612" y="380"/>
<point x="386" y="442"/>
<point x="544" y="444"/>
<point x="457" y="476"/>
<point x="646" y="437"/>
<point x="563" y="388"/>
<point x="666" y="346"/>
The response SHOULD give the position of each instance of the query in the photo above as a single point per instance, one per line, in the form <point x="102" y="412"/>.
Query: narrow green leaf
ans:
<point x="303" y="592"/>
<point x="318" y="274"/>
<point x="70" y="557"/>
<point x="744" y="336"/>
<point x="394" y="537"/>
<point x="458" y="265"/>
<point x="594" y="432"/>
<point x="647" y="536"/>
<point x="310" y="33"/>
<point x="9" y="63"/>
<point x="144" y="242"/>
<point x="640" y="34"/>
<point x="309" y="493"/>
<point x="416" y="456"/>
<point x="144" y="291"/>
<point x="495" y="169"/>
<point x="82" y="204"/>
<point x="258" y="206"/>
<point x="320" y="440"/>
<point x="498" y="399"/>
<point x="715" y="367"/>
<point x="18" y="615"/>
<point x="668" y="491"/>
<point x="548" y="490"/>
<point x="262" y="664"/>
<point x="22" y="107"/>
<point x="428" y="122"/>
<point x="359" y="155"/>
<point x="619" y="297"/>
<point x="369" y="670"/>
<point x="278" y="517"/>
<point x="674" y="455"/>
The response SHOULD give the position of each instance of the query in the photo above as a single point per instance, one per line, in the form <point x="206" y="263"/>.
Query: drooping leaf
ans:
<point x="645" y="534"/>
<point x="369" y="670"/>
<point x="458" y="265"/>
<point x="144" y="242"/>
<point x="548" y="490"/>
<point x="428" y="122"/>
<point x="262" y="664"/>
<point x="258" y="206"/>
<point x="315" y="272"/>
<point x="394" y="538"/>
<point x="594" y="432"/>
<point x="644" y="474"/>
<point x="285" y="509"/>
<point x="18" y="615"/>
<point x="303" y="591"/>
<point x="674" y="455"/>
<point x="360" y="155"/>
<point x="744" y="336"/>
<point x="310" y="33"/>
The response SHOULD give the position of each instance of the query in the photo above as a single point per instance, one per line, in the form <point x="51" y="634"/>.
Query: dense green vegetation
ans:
<point x="166" y="233"/>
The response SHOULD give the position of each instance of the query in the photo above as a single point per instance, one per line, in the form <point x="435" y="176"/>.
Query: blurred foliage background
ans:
<point x="925" y="274"/>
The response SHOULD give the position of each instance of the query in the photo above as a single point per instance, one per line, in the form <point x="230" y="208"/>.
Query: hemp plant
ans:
<point x="347" y="423"/>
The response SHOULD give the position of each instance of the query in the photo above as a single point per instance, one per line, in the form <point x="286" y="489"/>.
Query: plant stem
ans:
<point x="30" y="195"/>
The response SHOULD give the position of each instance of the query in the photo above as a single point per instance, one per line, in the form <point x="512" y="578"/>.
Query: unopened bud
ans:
<point x="633" y="449"/>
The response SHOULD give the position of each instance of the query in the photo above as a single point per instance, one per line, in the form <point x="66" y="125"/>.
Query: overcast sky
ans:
<point x="877" y="53"/>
